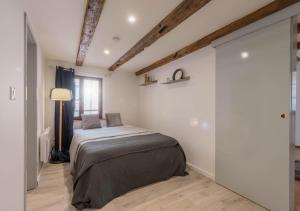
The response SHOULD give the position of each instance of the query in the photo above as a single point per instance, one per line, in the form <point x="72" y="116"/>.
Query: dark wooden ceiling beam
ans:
<point x="177" y="16"/>
<point x="91" y="19"/>
<point x="298" y="27"/>
<point x="263" y="12"/>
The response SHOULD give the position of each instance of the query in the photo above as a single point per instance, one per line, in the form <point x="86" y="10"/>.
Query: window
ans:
<point x="88" y="96"/>
<point x="294" y="90"/>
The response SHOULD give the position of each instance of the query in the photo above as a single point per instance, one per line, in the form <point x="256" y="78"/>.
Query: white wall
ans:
<point x="12" y="112"/>
<point x="297" y="126"/>
<point x="40" y="90"/>
<point x="40" y="84"/>
<point x="120" y="93"/>
<point x="185" y="110"/>
<point x="40" y="96"/>
<point x="40" y="74"/>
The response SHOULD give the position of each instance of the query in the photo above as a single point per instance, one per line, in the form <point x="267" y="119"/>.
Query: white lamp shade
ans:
<point x="61" y="94"/>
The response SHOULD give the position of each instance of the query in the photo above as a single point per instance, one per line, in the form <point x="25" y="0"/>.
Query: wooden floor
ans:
<point x="190" y="193"/>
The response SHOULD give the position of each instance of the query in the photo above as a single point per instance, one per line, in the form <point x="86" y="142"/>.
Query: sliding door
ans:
<point x="253" y="89"/>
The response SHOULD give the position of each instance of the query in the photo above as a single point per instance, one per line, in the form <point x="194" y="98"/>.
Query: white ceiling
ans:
<point x="57" y="26"/>
<point x="58" y="23"/>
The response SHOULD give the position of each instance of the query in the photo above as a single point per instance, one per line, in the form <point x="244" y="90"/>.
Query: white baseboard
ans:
<point x="39" y="174"/>
<point x="38" y="178"/>
<point x="201" y="171"/>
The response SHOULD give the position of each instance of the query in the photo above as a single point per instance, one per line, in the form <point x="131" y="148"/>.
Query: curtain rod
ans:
<point x="65" y="68"/>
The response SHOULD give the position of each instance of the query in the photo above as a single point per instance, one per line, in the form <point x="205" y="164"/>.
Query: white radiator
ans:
<point x="45" y="145"/>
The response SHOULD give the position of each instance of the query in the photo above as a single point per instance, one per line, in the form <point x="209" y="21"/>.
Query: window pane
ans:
<point x="294" y="90"/>
<point x="91" y="96"/>
<point x="91" y="112"/>
<point x="76" y="95"/>
<point x="76" y="111"/>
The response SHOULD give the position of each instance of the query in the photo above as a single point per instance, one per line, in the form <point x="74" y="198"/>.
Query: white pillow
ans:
<point x="90" y="121"/>
<point x="77" y="123"/>
<point x="113" y="119"/>
<point x="103" y="122"/>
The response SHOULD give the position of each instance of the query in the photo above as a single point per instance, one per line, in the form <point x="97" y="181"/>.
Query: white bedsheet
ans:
<point x="81" y="137"/>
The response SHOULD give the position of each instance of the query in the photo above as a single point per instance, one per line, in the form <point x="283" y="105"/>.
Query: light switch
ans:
<point x="12" y="93"/>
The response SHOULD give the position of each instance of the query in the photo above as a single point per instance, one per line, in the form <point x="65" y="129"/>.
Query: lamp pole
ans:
<point x="60" y="124"/>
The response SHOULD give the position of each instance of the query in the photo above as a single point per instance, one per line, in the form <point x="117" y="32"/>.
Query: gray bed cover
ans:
<point x="107" y="169"/>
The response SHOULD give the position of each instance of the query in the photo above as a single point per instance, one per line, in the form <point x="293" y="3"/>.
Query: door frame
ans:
<point x="30" y="40"/>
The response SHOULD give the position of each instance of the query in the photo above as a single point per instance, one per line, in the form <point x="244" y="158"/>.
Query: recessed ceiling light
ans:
<point x="131" y="19"/>
<point x="244" y="55"/>
<point x="107" y="52"/>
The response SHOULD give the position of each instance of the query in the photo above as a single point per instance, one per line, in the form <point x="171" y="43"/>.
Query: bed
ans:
<point x="108" y="162"/>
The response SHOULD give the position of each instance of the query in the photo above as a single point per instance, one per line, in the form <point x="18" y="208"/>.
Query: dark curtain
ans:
<point x="65" y="79"/>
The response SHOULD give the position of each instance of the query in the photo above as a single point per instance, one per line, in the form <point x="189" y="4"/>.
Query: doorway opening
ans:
<point x="31" y="139"/>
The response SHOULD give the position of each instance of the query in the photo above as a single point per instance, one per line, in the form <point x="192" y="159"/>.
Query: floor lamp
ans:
<point x="60" y="94"/>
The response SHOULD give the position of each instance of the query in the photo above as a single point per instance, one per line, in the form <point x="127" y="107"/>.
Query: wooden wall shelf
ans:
<point x="176" y="81"/>
<point x="148" y="83"/>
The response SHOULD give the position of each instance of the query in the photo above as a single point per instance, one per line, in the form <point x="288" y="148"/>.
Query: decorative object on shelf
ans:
<point x="178" y="74"/>
<point x="149" y="83"/>
<point x="186" y="78"/>
<point x="147" y="78"/>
